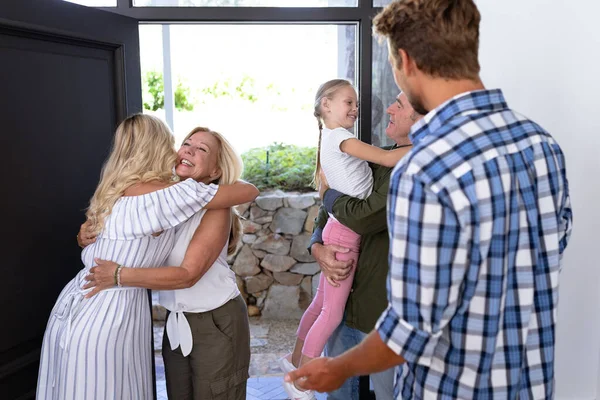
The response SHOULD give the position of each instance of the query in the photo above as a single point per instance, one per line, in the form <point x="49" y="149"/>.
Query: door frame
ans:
<point x="361" y="15"/>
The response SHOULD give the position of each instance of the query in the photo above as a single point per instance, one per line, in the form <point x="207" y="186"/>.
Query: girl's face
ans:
<point x="342" y="109"/>
<point x="197" y="158"/>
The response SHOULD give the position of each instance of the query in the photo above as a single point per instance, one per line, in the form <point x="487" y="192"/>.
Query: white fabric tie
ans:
<point x="179" y="332"/>
<point x="66" y="311"/>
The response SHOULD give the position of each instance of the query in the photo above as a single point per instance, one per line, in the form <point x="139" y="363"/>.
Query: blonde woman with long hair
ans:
<point x="206" y="345"/>
<point x="99" y="347"/>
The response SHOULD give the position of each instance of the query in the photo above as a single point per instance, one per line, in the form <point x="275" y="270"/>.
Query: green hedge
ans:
<point x="280" y="166"/>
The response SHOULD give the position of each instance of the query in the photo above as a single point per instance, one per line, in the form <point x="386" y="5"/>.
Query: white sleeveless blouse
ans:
<point x="215" y="288"/>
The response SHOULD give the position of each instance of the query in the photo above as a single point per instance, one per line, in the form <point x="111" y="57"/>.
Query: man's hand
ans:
<point x="320" y="374"/>
<point x="333" y="269"/>
<point x="327" y="374"/>
<point x="85" y="237"/>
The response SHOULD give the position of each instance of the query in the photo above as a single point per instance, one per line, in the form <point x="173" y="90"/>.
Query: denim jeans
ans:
<point x="342" y="339"/>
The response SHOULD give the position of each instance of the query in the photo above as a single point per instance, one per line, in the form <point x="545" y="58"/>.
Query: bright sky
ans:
<point x="295" y="59"/>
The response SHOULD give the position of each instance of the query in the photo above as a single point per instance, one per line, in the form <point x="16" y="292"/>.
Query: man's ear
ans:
<point x="406" y="63"/>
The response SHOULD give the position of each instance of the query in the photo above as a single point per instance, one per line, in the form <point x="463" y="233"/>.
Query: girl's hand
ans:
<point x="101" y="277"/>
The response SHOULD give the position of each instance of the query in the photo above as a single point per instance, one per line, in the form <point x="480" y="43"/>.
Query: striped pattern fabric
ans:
<point x="479" y="216"/>
<point x="99" y="348"/>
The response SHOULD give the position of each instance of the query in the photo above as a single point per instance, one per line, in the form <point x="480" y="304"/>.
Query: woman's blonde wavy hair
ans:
<point x="143" y="150"/>
<point x="231" y="167"/>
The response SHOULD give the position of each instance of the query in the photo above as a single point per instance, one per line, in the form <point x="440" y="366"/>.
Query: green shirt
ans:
<point x="368" y="298"/>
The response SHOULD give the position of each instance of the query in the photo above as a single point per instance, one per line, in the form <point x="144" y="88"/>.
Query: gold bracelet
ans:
<point x="116" y="275"/>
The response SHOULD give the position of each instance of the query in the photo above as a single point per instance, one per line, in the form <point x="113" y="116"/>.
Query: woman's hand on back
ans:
<point x="85" y="237"/>
<point x="100" y="277"/>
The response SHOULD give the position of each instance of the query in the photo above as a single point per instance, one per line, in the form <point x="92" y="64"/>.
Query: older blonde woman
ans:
<point x="99" y="347"/>
<point x="206" y="346"/>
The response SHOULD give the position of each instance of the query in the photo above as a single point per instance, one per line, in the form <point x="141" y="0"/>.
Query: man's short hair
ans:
<point x="442" y="36"/>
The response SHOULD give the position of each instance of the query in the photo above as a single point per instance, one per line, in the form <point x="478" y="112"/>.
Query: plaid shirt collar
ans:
<point x="478" y="100"/>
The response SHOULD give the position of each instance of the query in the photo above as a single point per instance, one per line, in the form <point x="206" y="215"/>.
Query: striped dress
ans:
<point x="99" y="348"/>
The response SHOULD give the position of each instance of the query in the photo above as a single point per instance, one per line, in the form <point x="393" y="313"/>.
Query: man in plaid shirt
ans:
<point x="479" y="217"/>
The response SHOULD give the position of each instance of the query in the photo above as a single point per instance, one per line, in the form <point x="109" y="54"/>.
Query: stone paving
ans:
<point x="269" y="340"/>
<point x="262" y="388"/>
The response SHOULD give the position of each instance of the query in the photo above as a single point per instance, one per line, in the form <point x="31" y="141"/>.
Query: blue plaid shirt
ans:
<point x="479" y="217"/>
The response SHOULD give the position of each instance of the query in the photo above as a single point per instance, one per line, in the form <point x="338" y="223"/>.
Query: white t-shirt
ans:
<point x="216" y="287"/>
<point x="345" y="173"/>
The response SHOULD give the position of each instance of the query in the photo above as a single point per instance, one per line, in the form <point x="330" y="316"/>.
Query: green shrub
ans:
<point x="280" y="166"/>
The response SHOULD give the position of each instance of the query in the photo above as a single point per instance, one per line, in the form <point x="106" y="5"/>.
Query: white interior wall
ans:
<point x="545" y="55"/>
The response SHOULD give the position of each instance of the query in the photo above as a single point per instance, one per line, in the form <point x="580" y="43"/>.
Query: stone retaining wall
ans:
<point x="275" y="273"/>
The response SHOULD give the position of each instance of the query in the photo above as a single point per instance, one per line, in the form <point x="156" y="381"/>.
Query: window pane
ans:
<point x="95" y="3"/>
<point x="253" y="95"/>
<point x="384" y="93"/>
<point x="381" y="3"/>
<point x="245" y="3"/>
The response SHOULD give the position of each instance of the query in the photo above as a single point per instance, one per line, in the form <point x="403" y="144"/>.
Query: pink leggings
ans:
<point x="326" y="311"/>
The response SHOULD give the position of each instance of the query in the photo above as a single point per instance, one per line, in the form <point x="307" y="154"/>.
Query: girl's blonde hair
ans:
<point x="326" y="90"/>
<point x="231" y="167"/>
<point x="143" y="150"/>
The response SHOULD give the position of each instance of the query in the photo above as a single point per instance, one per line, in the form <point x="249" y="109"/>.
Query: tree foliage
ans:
<point x="154" y="93"/>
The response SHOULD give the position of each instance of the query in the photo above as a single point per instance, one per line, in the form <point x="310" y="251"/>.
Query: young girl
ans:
<point x="344" y="161"/>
